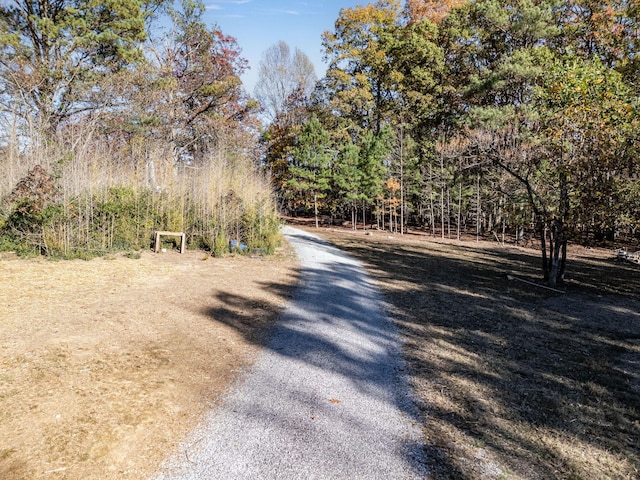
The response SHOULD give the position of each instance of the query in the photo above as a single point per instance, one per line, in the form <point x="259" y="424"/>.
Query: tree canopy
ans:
<point x="282" y="76"/>
<point x="54" y="54"/>
<point x="498" y="117"/>
<point x="522" y="116"/>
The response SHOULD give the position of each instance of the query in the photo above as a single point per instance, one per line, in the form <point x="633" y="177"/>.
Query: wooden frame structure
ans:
<point x="182" y="235"/>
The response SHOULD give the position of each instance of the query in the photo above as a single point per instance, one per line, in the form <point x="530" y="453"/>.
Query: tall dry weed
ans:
<point x="114" y="191"/>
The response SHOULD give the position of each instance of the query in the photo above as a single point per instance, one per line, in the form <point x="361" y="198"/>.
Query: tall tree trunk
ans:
<point x="560" y="251"/>
<point x="442" y="220"/>
<point x="478" y="208"/>
<point x="459" y="209"/>
<point x="315" y="207"/>
<point x="558" y="260"/>
<point x="448" y="212"/>
<point x="433" y="213"/>
<point x="543" y="248"/>
<point x="556" y="250"/>
<point x="563" y="262"/>
<point x="442" y="195"/>
<point x="401" y="182"/>
<point x="364" y="215"/>
<point x="393" y="224"/>
<point x="354" y="214"/>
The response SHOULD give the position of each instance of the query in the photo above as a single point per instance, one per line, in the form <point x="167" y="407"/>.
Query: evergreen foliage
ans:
<point x="310" y="170"/>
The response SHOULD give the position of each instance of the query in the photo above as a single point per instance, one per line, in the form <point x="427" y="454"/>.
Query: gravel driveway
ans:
<point x="326" y="399"/>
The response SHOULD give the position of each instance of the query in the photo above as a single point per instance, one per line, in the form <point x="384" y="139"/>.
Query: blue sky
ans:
<point x="259" y="24"/>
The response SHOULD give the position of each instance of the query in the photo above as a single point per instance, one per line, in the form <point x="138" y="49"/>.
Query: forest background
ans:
<point x="513" y="119"/>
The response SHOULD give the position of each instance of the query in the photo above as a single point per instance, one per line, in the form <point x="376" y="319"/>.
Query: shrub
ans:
<point x="220" y="245"/>
<point x="261" y="229"/>
<point x="31" y="207"/>
<point x="117" y="220"/>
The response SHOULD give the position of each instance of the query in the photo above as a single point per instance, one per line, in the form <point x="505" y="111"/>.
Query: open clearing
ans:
<point x="106" y="364"/>
<point x="514" y="381"/>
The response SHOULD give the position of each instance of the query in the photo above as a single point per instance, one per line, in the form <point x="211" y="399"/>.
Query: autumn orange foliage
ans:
<point x="433" y="10"/>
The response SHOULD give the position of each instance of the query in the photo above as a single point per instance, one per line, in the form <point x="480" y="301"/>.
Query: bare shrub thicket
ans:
<point x="107" y="192"/>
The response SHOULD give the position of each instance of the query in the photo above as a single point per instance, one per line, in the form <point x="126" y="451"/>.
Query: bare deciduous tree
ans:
<point x="282" y="75"/>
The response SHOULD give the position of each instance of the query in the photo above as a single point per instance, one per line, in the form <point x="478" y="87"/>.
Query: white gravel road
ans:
<point x="326" y="399"/>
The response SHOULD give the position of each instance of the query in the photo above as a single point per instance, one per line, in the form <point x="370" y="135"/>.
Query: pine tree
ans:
<point x="310" y="171"/>
<point x="347" y="178"/>
<point x="55" y="54"/>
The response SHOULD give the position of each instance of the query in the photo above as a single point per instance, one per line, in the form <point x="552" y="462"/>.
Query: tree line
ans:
<point x="121" y="118"/>
<point x="496" y="117"/>
<point x="513" y="119"/>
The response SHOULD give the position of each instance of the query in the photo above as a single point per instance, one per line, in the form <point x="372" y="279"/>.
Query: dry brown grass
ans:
<point x="105" y="365"/>
<point x="514" y="381"/>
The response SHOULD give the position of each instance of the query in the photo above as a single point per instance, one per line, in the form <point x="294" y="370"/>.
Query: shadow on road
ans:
<point x="511" y="379"/>
<point x="336" y="326"/>
<point x="344" y="303"/>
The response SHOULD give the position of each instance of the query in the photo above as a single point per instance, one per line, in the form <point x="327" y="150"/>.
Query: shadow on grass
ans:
<point x="515" y="380"/>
